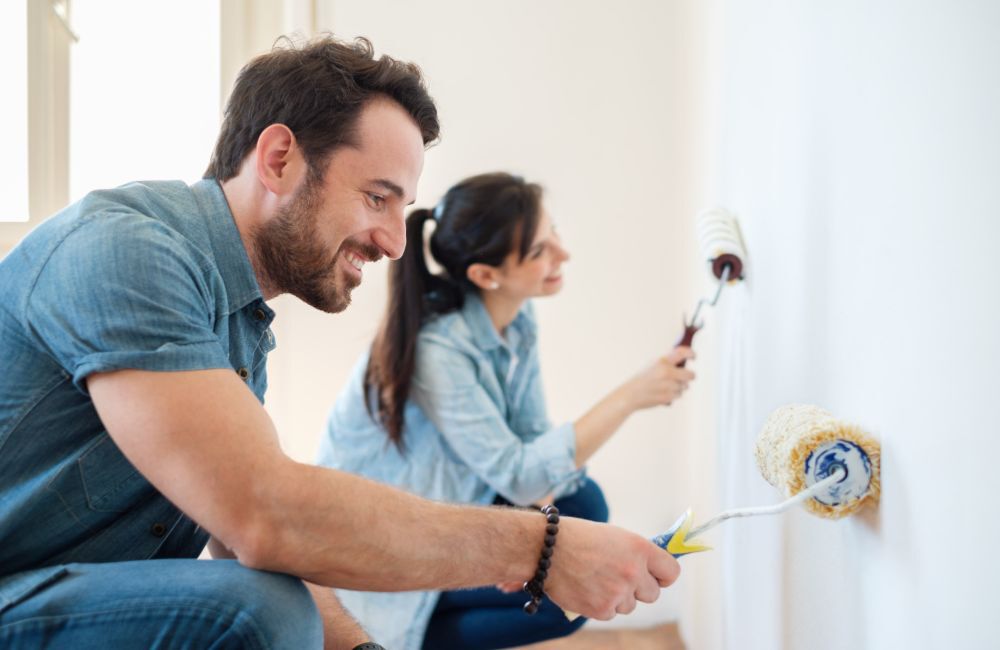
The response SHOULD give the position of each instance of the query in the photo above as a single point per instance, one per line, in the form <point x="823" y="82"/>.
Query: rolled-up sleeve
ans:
<point x="124" y="292"/>
<point x="447" y="387"/>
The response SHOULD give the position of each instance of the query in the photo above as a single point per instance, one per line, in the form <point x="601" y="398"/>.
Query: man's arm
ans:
<point x="204" y="441"/>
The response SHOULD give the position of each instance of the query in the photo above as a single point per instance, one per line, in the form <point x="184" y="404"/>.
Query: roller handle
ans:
<point x="686" y="339"/>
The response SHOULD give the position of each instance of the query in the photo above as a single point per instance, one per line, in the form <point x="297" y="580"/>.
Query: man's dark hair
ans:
<point x="318" y="91"/>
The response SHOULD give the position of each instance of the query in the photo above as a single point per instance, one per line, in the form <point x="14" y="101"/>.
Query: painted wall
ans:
<point x="859" y="142"/>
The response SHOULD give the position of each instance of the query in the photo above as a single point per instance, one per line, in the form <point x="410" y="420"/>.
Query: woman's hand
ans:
<point x="661" y="383"/>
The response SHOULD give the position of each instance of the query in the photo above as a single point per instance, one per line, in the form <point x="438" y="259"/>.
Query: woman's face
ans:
<point x="539" y="273"/>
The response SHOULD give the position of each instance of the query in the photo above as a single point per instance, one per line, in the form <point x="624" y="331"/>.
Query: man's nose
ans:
<point x="391" y="236"/>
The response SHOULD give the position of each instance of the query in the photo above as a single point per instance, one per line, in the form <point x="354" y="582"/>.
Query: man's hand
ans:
<point x="600" y="570"/>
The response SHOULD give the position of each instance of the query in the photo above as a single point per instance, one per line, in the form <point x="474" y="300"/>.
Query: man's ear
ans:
<point x="280" y="164"/>
<point x="484" y="276"/>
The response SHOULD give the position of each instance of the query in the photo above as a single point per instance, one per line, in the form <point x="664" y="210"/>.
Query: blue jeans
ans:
<point x="487" y="618"/>
<point x="160" y="604"/>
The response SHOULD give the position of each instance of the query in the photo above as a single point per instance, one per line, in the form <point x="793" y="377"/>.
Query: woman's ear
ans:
<point x="484" y="276"/>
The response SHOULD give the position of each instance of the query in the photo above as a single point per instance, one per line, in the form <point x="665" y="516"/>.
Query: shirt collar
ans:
<point x="485" y="334"/>
<point x="227" y="245"/>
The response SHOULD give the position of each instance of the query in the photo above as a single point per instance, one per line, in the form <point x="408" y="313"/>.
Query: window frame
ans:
<point x="49" y="42"/>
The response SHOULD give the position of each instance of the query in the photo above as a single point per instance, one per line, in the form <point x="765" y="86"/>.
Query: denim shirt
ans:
<point x="149" y="276"/>
<point x="475" y="427"/>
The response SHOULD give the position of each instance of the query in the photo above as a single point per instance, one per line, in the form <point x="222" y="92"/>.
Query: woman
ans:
<point x="448" y="402"/>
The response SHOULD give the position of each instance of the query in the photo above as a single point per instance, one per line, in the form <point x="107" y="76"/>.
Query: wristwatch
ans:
<point x="368" y="645"/>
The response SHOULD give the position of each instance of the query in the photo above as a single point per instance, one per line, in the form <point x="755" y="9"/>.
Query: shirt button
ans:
<point x="243" y="373"/>
<point x="259" y="314"/>
<point x="158" y="530"/>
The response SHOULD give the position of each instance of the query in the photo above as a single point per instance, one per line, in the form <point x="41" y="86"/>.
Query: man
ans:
<point x="134" y="332"/>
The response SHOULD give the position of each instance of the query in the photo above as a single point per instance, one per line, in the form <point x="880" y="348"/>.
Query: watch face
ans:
<point x="369" y="646"/>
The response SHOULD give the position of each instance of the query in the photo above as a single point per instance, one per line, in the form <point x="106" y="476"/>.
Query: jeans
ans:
<point x="159" y="604"/>
<point x="487" y="618"/>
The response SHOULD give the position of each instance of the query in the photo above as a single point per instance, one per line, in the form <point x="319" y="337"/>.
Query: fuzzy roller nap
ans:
<point x="830" y="466"/>
<point x="800" y="445"/>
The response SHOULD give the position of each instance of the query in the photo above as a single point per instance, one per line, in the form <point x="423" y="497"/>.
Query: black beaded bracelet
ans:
<point x="534" y="587"/>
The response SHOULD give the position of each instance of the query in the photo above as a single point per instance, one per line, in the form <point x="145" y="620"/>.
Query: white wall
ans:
<point x="601" y="104"/>
<point x="860" y="143"/>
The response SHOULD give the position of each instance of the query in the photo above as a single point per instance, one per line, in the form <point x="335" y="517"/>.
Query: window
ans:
<point x="144" y="78"/>
<point x="36" y="34"/>
<point x="145" y="89"/>
<point x="14" y="81"/>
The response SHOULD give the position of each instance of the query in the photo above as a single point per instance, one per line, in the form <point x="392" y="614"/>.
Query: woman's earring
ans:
<point x="495" y="285"/>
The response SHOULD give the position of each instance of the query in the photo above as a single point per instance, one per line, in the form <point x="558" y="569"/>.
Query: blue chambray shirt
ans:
<point x="475" y="427"/>
<point x="150" y="276"/>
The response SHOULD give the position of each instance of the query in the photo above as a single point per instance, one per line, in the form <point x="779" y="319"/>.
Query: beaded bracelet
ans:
<point x="534" y="586"/>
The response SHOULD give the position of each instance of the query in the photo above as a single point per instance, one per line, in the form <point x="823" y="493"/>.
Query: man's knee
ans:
<point x="272" y="609"/>
<point x="152" y="603"/>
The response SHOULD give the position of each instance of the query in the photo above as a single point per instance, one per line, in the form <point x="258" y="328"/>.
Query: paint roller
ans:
<point x="830" y="466"/>
<point x="721" y="243"/>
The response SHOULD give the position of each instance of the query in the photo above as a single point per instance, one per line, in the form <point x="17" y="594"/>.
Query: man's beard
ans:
<point x="291" y="258"/>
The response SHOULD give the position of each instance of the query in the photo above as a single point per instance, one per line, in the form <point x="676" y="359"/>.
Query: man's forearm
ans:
<point x="325" y="526"/>
<point x="338" y="529"/>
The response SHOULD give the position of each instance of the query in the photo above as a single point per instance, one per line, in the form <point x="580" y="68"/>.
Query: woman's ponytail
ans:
<point x="393" y="353"/>
<point x="482" y="219"/>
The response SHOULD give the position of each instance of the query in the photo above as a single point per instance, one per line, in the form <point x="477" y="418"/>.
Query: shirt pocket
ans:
<point x="110" y="483"/>
<point x="99" y="485"/>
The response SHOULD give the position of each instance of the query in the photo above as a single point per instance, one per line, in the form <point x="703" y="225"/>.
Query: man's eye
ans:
<point x="376" y="199"/>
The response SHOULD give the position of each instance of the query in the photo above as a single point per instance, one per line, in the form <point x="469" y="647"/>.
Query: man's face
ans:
<point x="316" y="245"/>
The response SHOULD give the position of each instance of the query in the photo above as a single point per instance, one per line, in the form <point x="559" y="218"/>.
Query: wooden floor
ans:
<point x="660" y="637"/>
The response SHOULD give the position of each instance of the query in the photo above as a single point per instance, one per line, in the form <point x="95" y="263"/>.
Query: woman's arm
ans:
<point x="448" y="387"/>
<point x="660" y="384"/>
